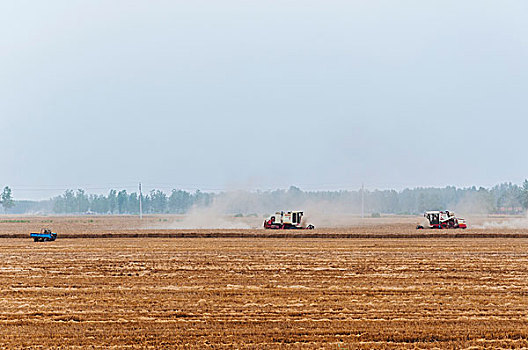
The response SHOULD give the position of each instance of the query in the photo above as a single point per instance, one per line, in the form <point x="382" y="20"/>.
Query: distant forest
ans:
<point x="506" y="198"/>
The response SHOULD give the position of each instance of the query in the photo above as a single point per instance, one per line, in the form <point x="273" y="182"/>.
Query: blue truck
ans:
<point x="44" y="235"/>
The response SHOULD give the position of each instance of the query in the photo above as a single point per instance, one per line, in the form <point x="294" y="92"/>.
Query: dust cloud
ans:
<point x="473" y="204"/>
<point x="242" y="209"/>
<point x="247" y="210"/>
<point x="225" y="212"/>
<point x="506" y="223"/>
<point x="210" y="218"/>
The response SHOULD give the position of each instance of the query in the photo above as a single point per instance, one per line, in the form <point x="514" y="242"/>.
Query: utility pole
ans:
<point x="140" y="204"/>
<point x="362" y="201"/>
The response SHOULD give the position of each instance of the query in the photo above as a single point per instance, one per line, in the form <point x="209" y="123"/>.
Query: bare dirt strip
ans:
<point x="166" y="226"/>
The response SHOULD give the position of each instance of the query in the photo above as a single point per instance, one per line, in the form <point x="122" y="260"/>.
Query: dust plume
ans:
<point x="329" y="214"/>
<point x="227" y="211"/>
<point x="209" y="218"/>
<point x="475" y="203"/>
<point x="515" y="223"/>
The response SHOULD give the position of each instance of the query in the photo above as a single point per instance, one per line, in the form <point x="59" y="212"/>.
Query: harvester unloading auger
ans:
<point x="443" y="220"/>
<point x="287" y="221"/>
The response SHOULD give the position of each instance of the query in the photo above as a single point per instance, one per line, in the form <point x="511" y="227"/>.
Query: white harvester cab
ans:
<point x="290" y="217"/>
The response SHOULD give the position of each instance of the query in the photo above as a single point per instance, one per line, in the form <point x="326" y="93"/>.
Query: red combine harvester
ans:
<point x="287" y="221"/>
<point x="443" y="220"/>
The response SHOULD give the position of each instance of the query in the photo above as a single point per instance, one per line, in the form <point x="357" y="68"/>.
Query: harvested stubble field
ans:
<point x="261" y="292"/>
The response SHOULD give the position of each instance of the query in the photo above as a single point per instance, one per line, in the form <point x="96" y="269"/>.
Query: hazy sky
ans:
<point x="262" y="94"/>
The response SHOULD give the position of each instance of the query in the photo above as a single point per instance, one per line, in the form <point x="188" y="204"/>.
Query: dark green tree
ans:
<point x="7" y="199"/>
<point x="133" y="203"/>
<point x="158" y="201"/>
<point x="82" y="202"/>
<point x="524" y="194"/>
<point x="112" y="201"/>
<point x="179" y="201"/>
<point x="99" y="204"/>
<point x="122" y="201"/>
<point x="65" y="203"/>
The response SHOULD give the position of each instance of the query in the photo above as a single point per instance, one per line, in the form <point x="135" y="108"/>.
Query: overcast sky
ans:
<point x="262" y="94"/>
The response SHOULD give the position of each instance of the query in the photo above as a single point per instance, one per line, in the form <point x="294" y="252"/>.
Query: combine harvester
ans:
<point x="443" y="220"/>
<point x="290" y="220"/>
<point x="43" y="236"/>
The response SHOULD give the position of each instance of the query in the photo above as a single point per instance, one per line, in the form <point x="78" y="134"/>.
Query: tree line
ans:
<point x="122" y="202"/>
<point x="505" y="198"/>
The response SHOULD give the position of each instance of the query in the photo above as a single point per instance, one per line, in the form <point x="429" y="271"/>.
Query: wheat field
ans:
<point x="255" y="292"/>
